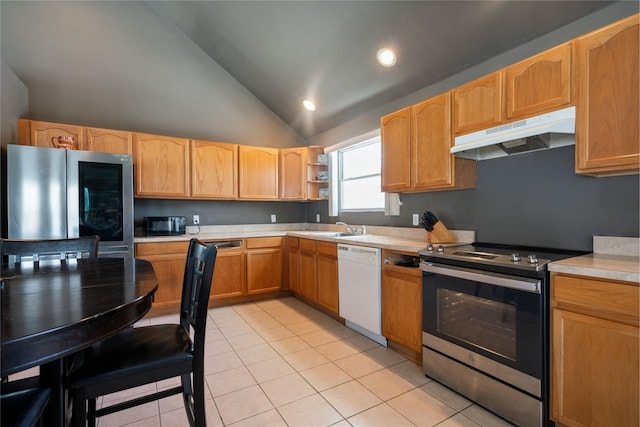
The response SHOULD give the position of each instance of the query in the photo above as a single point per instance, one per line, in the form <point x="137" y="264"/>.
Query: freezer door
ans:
<point x="36" y="192"/>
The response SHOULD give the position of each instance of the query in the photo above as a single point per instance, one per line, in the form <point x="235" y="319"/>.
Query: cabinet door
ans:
<point x="108" y="141"/>
<point x="214" y="171"/>
<point x="293" y="177"/>
<point x="308" y="284"/>
<point x="477" y="105"/>
<point x="431" y="140"/>
<point x="294" y="264"/>
<point x="539" y="84"/>
<point x="402" y="306"/>
<point x="327" y="276"/>
<point x="594" y="371"/>
<point x="40" y="134"/>
<point x="162" y="166"/>
<point x="228" y="274"/>
<point x="607" y="105"/>
<point x="168" y="260"/>
<point x="396" y="151"/>
<point x="264" y="264"/>
<point x="258" y="172"/>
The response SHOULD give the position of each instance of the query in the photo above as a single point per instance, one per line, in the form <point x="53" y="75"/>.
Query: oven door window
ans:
<point x="480" y="322"/>
<point x="500" y="323"/>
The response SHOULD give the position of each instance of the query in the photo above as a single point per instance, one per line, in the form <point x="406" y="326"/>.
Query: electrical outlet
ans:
<point x="317" y="217"/>
<point x="416" y="219"/>
<point x="196" y="219"/>
<point x="273" y="217"/>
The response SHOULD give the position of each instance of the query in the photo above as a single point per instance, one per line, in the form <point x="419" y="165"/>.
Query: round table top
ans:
<point x="52" y="309"/>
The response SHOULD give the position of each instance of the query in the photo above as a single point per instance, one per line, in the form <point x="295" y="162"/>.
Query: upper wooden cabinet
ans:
<point x="40" y="134"/>
<point x="538" y="84"/>
<point x="108" y="141"/>
<point x="258" y="171"/>
<point x="161" y="166"/>
<point x="607" y="112"/>
<point x="416" y="144"/>
<point x="293" y="173"/>
<point x="214" y="170"/>
<point x="433" y="166"/>
<point x="317" y="174"/>
<point x="395" y="129"/>
<point x="477" y="105"/>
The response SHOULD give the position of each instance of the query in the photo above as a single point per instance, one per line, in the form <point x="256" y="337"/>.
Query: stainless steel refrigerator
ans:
<point x="54" y="193"/>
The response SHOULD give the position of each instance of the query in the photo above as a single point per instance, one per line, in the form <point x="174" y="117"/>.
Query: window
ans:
<point x="356" y="177"/>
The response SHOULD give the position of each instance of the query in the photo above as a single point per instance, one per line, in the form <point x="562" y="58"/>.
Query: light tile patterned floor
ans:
<point x="282" y="363"/>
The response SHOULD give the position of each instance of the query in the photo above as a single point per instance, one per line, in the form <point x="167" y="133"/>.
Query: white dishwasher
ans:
<point x="360" y="291"/>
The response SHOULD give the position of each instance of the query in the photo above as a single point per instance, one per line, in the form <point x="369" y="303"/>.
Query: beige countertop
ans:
<point x="392" y="238"/>
<point x="614" y="258"/>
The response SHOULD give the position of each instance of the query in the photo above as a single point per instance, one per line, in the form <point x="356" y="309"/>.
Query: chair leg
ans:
<point x="79" y="411"/>
<point x="91" y="413"/>
<point x="198" y="400"/>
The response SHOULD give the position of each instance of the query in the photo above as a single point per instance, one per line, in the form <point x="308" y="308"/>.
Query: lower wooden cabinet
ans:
<point x="229" y="274"/>
<point x="293" y="265"/>
<point x="594" y="352"/>
<point x="402" y="305"/>
<point x="168" y="260"/>
<point x="245" y="268"/>
<point x="264" y="264"/>
<point x="308" y="279"/>
<point x="327" y="275"/>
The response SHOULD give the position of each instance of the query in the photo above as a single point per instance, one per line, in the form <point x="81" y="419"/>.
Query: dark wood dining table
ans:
<point x="53" y="309"/>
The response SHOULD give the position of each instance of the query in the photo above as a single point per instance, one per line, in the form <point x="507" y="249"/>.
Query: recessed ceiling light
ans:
<point x="309" y="105"/>
<point x="386" y="57"/>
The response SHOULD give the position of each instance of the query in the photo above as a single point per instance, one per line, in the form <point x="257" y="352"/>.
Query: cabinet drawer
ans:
<point x="308" y="245"/>
<point x="327" y="248"/>
<point x="161" y="248"/>
<point x="614" y="300"/>
<point x="264" y="242"/>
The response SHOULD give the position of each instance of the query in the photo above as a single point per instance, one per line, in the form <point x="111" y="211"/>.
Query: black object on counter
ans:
<point x="428" y="220"/>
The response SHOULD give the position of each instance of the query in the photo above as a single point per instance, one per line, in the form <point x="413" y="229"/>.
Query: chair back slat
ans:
<point x="37" y="250"/>
<point x="197" y="288"/>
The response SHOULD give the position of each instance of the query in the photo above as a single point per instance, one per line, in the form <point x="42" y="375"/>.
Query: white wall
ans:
<point x="120" y="65"/>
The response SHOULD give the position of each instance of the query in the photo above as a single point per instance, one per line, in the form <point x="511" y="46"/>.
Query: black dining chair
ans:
<point x="36" y="250"/>
<point x="143" y="355"/>
<point x="23" y="401"/>
<point x="23" y="408"/>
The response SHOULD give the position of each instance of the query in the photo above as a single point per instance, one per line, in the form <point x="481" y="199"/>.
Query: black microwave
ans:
<point x="165" y="225"/>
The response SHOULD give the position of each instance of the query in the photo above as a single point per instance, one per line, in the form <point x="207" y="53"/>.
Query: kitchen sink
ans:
<point x="335" y="234"/>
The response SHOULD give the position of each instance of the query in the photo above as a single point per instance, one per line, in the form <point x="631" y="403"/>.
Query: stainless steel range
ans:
<point x="485" y="325"/>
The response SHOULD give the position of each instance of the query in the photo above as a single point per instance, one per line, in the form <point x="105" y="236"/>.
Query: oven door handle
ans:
<point x="520" y="283"/>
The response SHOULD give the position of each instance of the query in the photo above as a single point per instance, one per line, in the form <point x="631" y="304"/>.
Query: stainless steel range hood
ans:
<point x="550" y="130"/>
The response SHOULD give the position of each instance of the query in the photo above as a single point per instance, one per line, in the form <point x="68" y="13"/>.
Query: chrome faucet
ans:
<point x="350" y="229"/>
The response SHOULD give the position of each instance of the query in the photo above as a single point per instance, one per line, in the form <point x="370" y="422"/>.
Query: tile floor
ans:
<point x="282" y="363"/>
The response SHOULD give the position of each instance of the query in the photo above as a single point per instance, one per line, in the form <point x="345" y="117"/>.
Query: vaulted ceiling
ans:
<point x="285" y="51"/>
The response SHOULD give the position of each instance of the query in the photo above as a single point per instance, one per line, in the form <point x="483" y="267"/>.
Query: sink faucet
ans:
<point x="350" y="229"/>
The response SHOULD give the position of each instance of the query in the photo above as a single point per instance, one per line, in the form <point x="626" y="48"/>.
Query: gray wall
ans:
<point x="120" y="65"/>
<point x="533" y="199"/>
<point x="14" y="103"/>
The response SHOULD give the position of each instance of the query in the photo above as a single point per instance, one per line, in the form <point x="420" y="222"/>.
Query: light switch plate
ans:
<point x="317" y="217"/>
<point x="273" y="217"/>
<point x="196" y="219"/>
<point x="416" y="219"/>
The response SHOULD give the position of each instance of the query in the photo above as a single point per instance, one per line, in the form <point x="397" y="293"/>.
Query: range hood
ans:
<point x="549" y="130"/>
